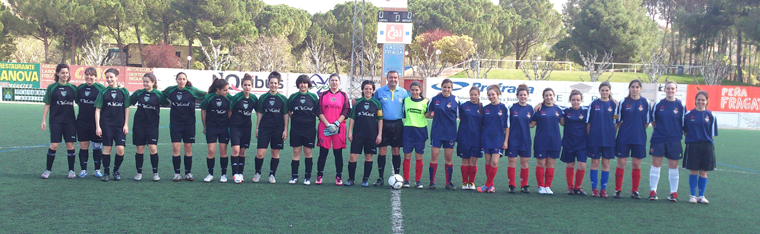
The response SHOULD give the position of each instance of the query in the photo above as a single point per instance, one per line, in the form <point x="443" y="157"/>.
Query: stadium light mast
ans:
<point x="356" y="71"/>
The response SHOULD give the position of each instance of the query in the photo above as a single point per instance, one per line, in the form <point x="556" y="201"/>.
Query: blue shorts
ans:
<point x="515" y="153"/>
<point x="599" y="152"/>
<point x="417" y="146"/>
<point x="636" y="151"/>
<point x="498" y="151"/>
<point x="466" y="152"/>
<point x="672" y="150"/>
<point x="570" y="156"/>
<point x="445" y="144"/>
<point x="546" y="154"/>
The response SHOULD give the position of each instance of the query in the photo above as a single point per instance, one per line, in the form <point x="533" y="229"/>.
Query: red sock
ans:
<point x="540" y="176"/>
<point x="433" y="170"/>
<point x="579" y="178"/>
<point x="636" y="174"/>
<point x="493" y="175"/>
<point x="619" y="173"/>
<point x="417" y="170"/>
<point x="488" y="173"/>
<point x="524" y="176"/>
<point x="511" y="176"/>
<point x="548" y="177"/>
<point x="407" y="164"/>
<point x="465" y="173"/>
<point x="473" y="172"/>
<point x="569" y="171"/>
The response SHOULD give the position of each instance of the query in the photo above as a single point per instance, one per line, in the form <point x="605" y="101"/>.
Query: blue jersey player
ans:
<point x="667" y="121"/>
<point x="520" y="114"/>
<point x="548" y="143"/>
<point x="633" y="120"/>
<point x="445" y="111"/>
<point x="495" y="137"/>
<point x="574" y="143"/>
<point x="600" y="126"/>
<point x="468" y="137"/>
<point x="700" y="127"/>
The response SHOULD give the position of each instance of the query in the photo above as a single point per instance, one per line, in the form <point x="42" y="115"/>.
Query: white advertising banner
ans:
<point x="394" y="33"/>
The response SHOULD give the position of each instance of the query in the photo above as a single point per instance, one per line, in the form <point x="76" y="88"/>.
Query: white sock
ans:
<point x="673" y="176"/>
<point x="654" y="177"/>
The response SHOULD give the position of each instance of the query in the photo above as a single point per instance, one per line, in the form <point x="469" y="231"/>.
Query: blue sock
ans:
<point x="702" y="184"/>
<point x="693" y="184"/>
<point x="605" y="178"/>
<point x="593" y="174"/>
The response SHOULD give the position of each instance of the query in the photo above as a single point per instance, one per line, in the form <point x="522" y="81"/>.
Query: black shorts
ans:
<point x="144" y="135"/>
<point x="63" y="132"/>
<point x="305" y="139"/>
<point x="86" y="132"/>
<point x="241" y="136"/>
<point x="113" y="135"/>
<point x="269" y="135"/>
<point x="215" y="134"/>
<point x="182" y="132"/>
<point x="699" y="156"/>
<point x="392" y="133"/>
<point x="671" y="150"/>
<point x="366" y="144"/>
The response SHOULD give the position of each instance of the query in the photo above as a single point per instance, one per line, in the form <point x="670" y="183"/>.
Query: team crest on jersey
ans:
<point x="245" y="104"/>
<point x="179" y="95"/>
<point x="675" y="111"/>
<point x="87" y="93"/>
<point x="63" y="92"/>
<point x="610" y="109"/>
<point x="366" y="106"/>
<point x="707" y="118"/>
<point x="146" y="97"/>
<point x="528" y="115"/>
<point x="219" y="103"/>
<point x="332" y="99"/>
<point x="113" y="94"/>
<point x="580" y="116"/>
<point x="449" y="105"/>
<point x="500" y="113"/>
<point x="556" y="113"/>
<point x="641" y="108"/>
<point x="271" y="102"/>
<point x="303" y="100"/>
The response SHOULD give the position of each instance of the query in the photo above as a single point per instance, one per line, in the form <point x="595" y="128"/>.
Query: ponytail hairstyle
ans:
<point x="112" y="71"/>
<point x="480" y="106"/>
<point x="606" y="83"/>
<point x="58" y="69"/>
<point x="416" y="83"/>
<point x="544" y="92"/>
<point x="216" y="85"/>
<point x="576" y="92"/>
<point x="151" y="77"/>
<point x="522" y="87"/>
<point x="188" y="84"/>
<point x="631" y="84"/>
<point x="497" y="89"/>
<point x="246" y="77"/>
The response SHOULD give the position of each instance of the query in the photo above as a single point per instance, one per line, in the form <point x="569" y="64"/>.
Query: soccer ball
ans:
<point x="396" y="181"/>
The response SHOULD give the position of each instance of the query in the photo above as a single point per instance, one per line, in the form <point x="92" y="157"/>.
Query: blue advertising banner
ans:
<point x="393" y="59"/>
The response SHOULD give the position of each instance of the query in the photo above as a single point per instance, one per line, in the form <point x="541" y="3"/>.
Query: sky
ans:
<point x="313" y="6"/>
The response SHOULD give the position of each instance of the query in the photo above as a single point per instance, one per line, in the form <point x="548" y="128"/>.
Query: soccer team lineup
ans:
<point x="385" y="117"/>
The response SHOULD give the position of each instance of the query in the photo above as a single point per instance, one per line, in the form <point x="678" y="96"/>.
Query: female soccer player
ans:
<point x="468" y="137"/>
<point x="112" y="122"/>
<point x="633" y="120"/>
<point x="667" y="121"/>
<point x="303" y="114"/>
<point x="243" y="105"/>
<point x="366" y="126"/>
<point x="443" y="134"/>
<point x="271" y="126"/>
<point x="415" y="135"/>
<point x="547" y="140"/>
<point x="495" y="136"/>
<point x="333" y="110"/>
<point x="574" y="143"/>
<point x="519" y="139"/>
<point x="59" y="101"/>
<point x="700" y="126"/>
<point x="182" y="122"/>
<point x="215" y="114"/>
<point x="145" y="126"/>
<point x="86" y="95"/>
<point x="600" y="126"/>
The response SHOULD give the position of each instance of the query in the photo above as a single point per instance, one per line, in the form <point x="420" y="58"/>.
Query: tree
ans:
<point x="264" y="54"/>
<point x="95" y="54"/>
<point x="37" y="20"/>
<point x="161" y="55"/>
<point x="217" y="60"/>
<point x="118" y="16"/>
<point x="423" y="54"/>
<point x="535" y="23"/>
<point x="76" y="23"/>
<point x="716" y="70"/>
<point x="654" y="67"/>
<point x="480" y="65"/>
<point x="455" y="49"/>
<point x="479" y="19"/>
<point x="343" y="27"/>
<point x="613" y="25"/>
<point x="163" y="17"/>
<point x="545" y="67"/>
<point x="7" y="22"/>
<point x="319" y="42"/>
<point x="284" y="21"/>
<point x="596" y="69"/>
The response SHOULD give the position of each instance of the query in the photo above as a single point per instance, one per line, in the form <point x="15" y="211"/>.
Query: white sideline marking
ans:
<point x="397" y="219"/>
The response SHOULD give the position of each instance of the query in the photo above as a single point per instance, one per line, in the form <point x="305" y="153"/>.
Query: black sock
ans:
<point x="309" y="164"/>
<point x="235" y="165"/>
<point x="83" y="156"/>
<point x="367" y="169"/>
<point x="294" y="168"/>
<point x="396" y="160"/>
<point x="154" y="162"/>
<point x="381" y="165"/>
<point x="50" y="159"/>
<point x="224" y="162"/>
<point x="176" y="161"/>
<point x="258" y="162"/>
<point x="97" y="156"/>
<point x="117" y="164"/>
<point x="72" y="157"/>
<point x="322" y="160"/>
<point x="210" y="163"/>
<point x="106" y="164"/>
<point x="338" y="153"/>
<point x="273" y="165"/>
<point x="139" y="158"/>
<point x="241" y="165"/>
<point x="188" y="164"/>
<point x="351" y="170"/>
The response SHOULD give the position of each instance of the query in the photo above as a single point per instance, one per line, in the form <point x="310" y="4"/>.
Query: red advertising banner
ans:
<point x="47" y="72"/>
<point x="134" y="77"/>
<point x="727" y="98"/>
